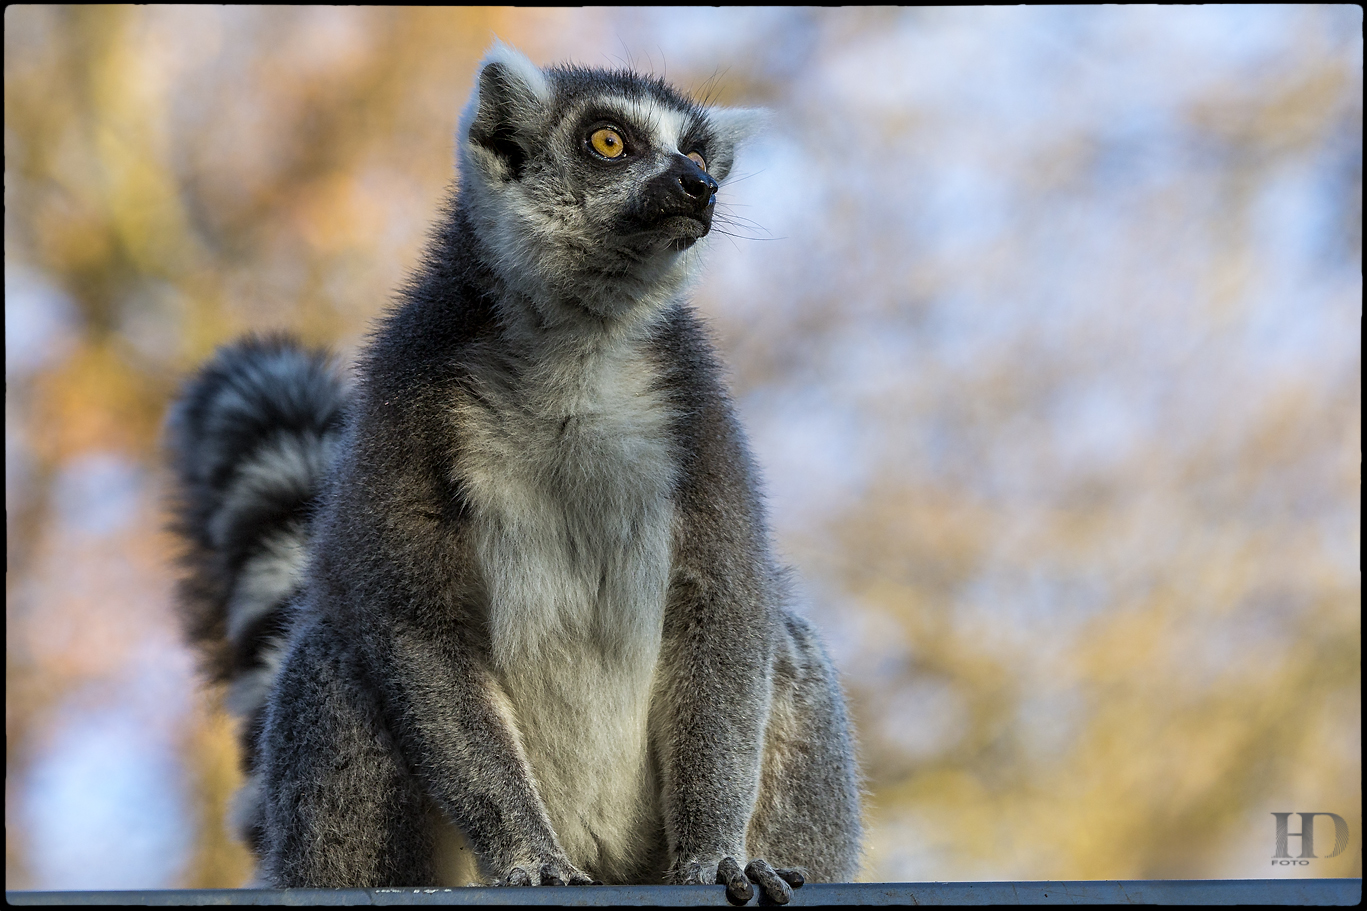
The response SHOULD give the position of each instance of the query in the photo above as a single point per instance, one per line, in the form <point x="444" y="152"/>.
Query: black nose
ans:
<point x="697" y="185"/>
<point x="683" y="189"/>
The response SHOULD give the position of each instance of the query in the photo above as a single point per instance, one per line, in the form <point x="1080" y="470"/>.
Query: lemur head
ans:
<point x="591" y="188"/>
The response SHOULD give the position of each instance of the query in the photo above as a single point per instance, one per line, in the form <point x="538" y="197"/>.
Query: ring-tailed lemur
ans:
<point x="507" y="610"/>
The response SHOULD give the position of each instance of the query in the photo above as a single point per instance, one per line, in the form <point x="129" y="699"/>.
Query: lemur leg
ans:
<point x="807" y="815"/>
<point x="342" y="809"/>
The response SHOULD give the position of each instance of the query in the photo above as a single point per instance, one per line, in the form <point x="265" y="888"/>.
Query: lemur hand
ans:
<point x="551" y="871"/>
<point x="776" y="886"/>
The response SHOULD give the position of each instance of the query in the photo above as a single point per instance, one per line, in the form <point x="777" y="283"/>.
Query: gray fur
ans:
<point x="540" y="636"/>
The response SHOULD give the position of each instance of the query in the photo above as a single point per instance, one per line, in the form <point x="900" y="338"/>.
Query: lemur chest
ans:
<point x="569" y="481"/>
<point x="571" y="511"/>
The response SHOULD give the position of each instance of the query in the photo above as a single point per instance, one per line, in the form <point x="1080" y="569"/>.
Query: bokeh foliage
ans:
<point x="1046" y="325"/>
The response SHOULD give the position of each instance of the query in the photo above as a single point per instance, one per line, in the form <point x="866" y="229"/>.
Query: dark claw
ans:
<point x="793" y="878"/>
<point x="738" y="888"/>
<point x="773" y="890"/>
<point x="548" y="877"/>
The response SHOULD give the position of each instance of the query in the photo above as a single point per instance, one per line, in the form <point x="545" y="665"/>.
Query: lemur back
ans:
<point x="507" y="611"/>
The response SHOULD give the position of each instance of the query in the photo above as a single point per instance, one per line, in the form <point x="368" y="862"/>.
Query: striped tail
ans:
<point x="250" y="442"/>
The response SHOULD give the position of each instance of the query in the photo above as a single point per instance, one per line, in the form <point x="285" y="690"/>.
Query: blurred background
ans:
<point x="1045" y="323"/>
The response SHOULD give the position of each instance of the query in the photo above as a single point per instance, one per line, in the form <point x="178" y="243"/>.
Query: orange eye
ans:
<point x="608" y="143"/>
<point x="698" y="160"/>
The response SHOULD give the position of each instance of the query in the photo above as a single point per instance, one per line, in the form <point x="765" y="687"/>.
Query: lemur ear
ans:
<point x="731" y="129"/>
<point x="510" y="93"/>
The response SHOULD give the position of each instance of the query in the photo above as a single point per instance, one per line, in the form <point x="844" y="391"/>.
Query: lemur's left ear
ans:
<point x="510" y="94"/>
<point x="731" y="129"/>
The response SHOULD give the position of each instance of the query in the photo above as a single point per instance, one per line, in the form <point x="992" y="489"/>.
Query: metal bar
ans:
<point x="1099" y="892"/>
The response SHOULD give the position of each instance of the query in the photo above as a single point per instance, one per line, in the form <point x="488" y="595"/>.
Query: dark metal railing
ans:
<point x="1100" y="892"/>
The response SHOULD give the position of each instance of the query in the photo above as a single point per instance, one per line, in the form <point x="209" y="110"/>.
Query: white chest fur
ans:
<point x="568" y="472"/>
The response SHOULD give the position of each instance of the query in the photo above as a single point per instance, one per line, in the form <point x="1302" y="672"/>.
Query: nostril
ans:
<point x="696" y="186"/>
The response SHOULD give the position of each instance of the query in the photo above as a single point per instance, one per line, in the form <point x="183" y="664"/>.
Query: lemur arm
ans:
<point x="456" y="729"/>
<point x="715" y="680"/>
<point x="711" y="705"/>
<point x="411" y="590"/>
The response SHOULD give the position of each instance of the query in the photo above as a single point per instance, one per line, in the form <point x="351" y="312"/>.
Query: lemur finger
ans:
<point x="793" y="878"/>
<point x="772" y="888"/>
<point x="517" y="877"/>
<point x="549" y="877"/>
<point x="738" y="888"/>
